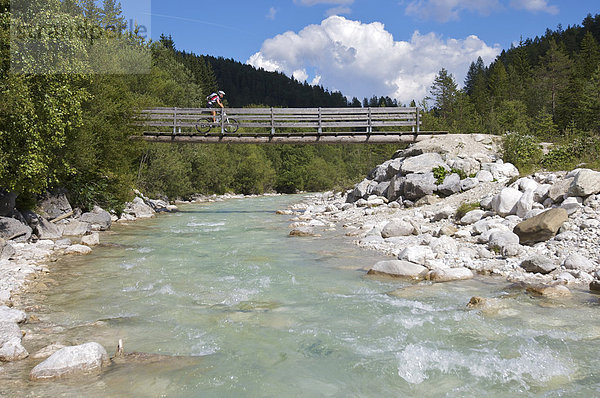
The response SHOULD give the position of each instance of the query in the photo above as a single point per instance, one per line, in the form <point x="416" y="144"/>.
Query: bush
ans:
<point x="523" y="151"/>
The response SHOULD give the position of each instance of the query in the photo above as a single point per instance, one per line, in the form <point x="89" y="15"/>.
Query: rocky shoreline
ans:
<point x="450" y="208"/>
<point x="29" y="242"/>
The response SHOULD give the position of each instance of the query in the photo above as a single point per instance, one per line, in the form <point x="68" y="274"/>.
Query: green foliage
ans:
<point x="576" y="151"/>
<point x="440" y="173"/>
<point x="522" y="150"/>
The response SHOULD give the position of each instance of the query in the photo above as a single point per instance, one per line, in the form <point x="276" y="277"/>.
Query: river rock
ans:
<point x="538" y="264"/>
<point x="10" y="343"/>
<point x="303" y="231"/>
<point x="47" y="351"/>
<point x="559" y="190"/>
<point x="422" y="164"/>
<point x="578" y="262"/>
<point x="11" y="228"/>
<point x="92" y="239"/>
<point x="500" y="239"/>
<point x="397" y="227"/>
<point x="11" y="315"/>
<point x="472" y="217"/>
<point x="139" y="209"/>
<point x="381" y="189"/>
<point x="501" y="171"/>
<point x="484" y="176"/>
<point x="468" y="183"/>
<point x="418" y="185"/>
<point x="99" y="219"/>
<point x="550" y="291"/>
<point x="399" y="269"/>
<point x="487" y="306"/>
<point x="396" y="188"/>
<point x="81" y="359"/>
<point x="541" y="227"/>
<point x="572" y="204"/>
<point x="416" y="254"/>
<point x="469" y="165"/>
<point x="525" y="203"/>
<point x="77" y="228"/>
<point x="7" y="250"/>
<point x="450" y="186"/>
<point x="450" y="274"/>
<point x="585" y="183"/>
<point x="54" y="205"/>
<point x="505" y="202"/>
<point x="78" y="250"/>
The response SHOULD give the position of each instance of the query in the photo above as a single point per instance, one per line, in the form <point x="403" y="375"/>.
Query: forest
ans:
<point x="66" y="110"/>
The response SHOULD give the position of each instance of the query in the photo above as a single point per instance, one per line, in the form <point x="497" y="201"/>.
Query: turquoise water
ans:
<point x="243" y="310"/>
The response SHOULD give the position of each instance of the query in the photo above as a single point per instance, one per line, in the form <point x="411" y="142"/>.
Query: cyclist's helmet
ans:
<point x="221" y="92"/>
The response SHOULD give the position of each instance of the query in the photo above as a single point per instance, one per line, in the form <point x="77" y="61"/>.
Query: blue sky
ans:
<point x="360" y="47"/>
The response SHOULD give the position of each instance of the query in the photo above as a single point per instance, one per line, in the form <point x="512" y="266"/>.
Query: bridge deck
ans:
<point x="284" y="125"/>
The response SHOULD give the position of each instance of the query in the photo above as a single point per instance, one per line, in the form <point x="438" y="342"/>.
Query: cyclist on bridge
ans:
<point x="215" y="98"/>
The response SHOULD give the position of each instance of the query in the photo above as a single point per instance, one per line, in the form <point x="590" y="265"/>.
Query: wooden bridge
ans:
<point x="385" y="125"/>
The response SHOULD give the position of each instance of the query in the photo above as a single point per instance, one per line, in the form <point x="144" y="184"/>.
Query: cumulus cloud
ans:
<point x="446" y="10"/>
<point x="534" y="6"/>
<point x="364" y="59"/>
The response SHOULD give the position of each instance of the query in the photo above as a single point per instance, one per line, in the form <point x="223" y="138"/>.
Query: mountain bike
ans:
<point x="230" y="125"/>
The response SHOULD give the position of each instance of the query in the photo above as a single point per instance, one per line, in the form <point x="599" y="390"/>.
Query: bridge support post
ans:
<point x="174" y="120"/>
<point x="272" y="122"/>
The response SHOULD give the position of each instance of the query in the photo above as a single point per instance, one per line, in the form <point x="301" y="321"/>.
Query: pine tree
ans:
<point x="90" y="10"/>
<point x="443" y="93"/>
<point x="498" y="83"/>
<point x="553" y="73"/>
<point x="112" y="16"/>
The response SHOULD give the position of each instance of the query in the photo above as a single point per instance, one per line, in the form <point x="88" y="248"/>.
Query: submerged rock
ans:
<point x="450" y="274"/>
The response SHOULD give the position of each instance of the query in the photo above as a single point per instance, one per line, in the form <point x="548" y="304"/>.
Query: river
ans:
<point x="244" y="310"/>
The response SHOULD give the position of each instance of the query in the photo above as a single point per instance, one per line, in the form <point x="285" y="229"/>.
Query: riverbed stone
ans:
<point x="11" y="315"/>
<point x="416" y="254"/>
<point x="73" y="360"/>
<point x="139" y="208"/>
<point x="559" y="190"/>
<point x="541" y="227"/>
<point x="54" y="204"/>
<point x="585" y="183"/>
<point x="98" y="218"/>
<point x="505" y="202"/>
<point x="450" y="186"/>
<point x="78" y="250"/>
<point x="77" y="228"/>
<point x="399" y="269"/>
<point x="397" y="227"/>
<point x="92" y="239"/>
<point x="549" y="291"/>
<point x="472" y="217"/>
<point x="578" y="261"/>
<point x="418" y="185"/>
<point x="12" y="228"/>
<point x="303" y="231"/>
<point x="538" y="264"/>
<point x="450" y="274"/>
<point x="10" y="343"/>
<point x="422" y="164"/>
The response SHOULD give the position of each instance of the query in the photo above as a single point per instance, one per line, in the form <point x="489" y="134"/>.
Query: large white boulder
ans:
<point x="81" y="359"/>
<point x="399" y="269"/>
<point x="504" y="203"/>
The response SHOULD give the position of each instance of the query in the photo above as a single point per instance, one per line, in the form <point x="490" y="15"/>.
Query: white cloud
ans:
<point x="534" y="6"/>
<point x="272" y="13"/>
<point x="338" y="11"/>
<point x="364" y="59"/>
<point x="446" y="10"/>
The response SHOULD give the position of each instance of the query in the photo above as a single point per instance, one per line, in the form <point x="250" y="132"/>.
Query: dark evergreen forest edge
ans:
<point x="70" y="129"/>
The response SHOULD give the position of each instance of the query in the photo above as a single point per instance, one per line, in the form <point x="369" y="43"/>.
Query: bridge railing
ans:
<point x="303" y="121"/>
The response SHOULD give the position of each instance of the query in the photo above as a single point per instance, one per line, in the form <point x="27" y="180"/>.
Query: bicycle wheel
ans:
<point x="203" y="125"/>
<point x="231" y="125"/>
